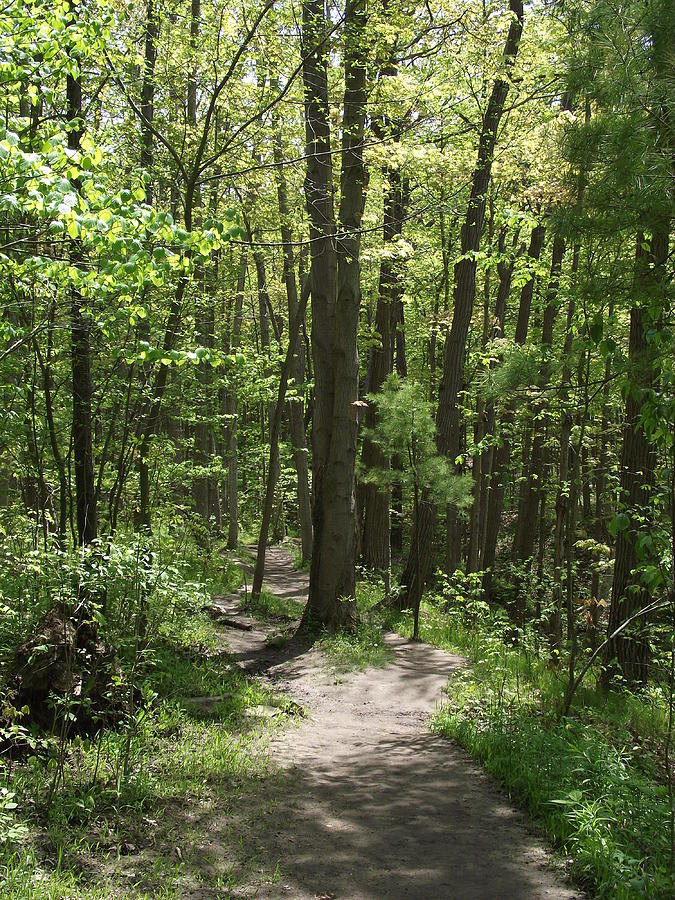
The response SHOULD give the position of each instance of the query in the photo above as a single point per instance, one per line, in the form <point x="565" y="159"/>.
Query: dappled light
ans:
<point x="337" y="449"/>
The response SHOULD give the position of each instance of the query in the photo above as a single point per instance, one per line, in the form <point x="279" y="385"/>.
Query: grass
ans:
<point x="349" y="651"/>
<point x="268" y="607"/>
<point x="364" y="646"/>
<point x="134" y="805"/>
<point x="593" y="800"/>
<point x="108" y="833"/>
<point x="594" y="782"/>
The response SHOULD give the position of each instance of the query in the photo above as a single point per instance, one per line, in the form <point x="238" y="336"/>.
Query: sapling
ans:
<point x="405" y="430"/>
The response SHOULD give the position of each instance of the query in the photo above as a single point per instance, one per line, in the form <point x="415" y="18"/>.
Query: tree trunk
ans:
<point x="480" y="426"/>
<point x="231" y="414"/>
<point x="523" y="545"/>
<point x="201" y="485"/>
<point x="273" y="471"/>
<point x="296" y="415"/>
<point x="630" y="649"/>
<point x="147" y="162"/>
<point x="336" y="295"/>
<point x="564" y="487"/>
<point x="502" y="453"/>
<point x="45" y="364"/>
<point x="83" y="454"/>
<point x="600" y="525"/>
<point x="195" y="18"/>
<point x="376" y="529"/>
<point x="505" y="274"/>
<point x="447" y="418"/>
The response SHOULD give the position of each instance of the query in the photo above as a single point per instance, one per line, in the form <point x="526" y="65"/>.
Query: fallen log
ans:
<point x="222" y="617"/>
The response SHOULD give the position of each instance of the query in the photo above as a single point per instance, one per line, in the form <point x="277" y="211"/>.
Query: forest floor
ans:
<point x="370" y="804"/>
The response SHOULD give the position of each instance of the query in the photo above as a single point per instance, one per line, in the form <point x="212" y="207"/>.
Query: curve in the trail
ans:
<point x="373" y="805"/>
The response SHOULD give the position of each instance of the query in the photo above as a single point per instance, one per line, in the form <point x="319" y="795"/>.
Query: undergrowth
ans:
<point x="128" y="811"/>
<point x="363" y="646"/>
<point x="357" y="649"/>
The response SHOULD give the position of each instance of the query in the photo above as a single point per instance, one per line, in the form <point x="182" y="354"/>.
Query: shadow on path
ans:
<point x="373" y="805"/>
<point x="408" y="817"/>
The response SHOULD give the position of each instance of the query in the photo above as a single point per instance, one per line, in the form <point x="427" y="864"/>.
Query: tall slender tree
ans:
<point x="418" y="565"/>
<point x="80" y="326"/>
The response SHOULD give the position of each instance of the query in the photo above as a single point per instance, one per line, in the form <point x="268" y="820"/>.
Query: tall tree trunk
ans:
<point x="149" y="421"/>
<point x="148" y="97"/>
<point x="201" y="485"/>
<point x="147" y="162"/>
<point x="630" y="649"/>
<point x="401" y="369"/>
<point x="273" y="472"/>
<point x="376" y="531"/>
<point x="418" y="565"/>
<point x="296" y="413"/>
<point x="564" y="486"/>
<point x="600" y="525"/>
<point x="491" y="511"/>
<point x="83" y="454"/>
<point x="336" y="296"/>
<point x="231" y="414"/>
<point x="195" y="17"/>
<point x="523" y="545"/>
<point x="502" y="454"/>
<point x="204" y="316"/>
<point x="480" y="426"/>
<point x="45" y="364"/>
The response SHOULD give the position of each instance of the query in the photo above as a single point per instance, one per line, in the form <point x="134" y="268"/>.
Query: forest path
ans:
<point x="373" y="805"/>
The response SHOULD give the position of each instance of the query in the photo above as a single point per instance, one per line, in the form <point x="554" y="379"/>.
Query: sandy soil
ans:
<point x="373" y="805"/>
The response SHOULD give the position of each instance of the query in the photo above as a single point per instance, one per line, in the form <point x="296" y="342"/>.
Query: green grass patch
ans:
<point x="268" y="607"/>
<point x="593" y="799"/>
<point x="355" y="650"/>
<point x="178" y="764"/>
<point x="108" y="832"/>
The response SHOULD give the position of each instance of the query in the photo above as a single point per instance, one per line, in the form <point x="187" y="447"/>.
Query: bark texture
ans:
<point x="296" y="417"/>
<point x="80" y="352"/>
<point x="336" y="297"/>
<point x="376" y="526"/>
<point x="231" y="417"/>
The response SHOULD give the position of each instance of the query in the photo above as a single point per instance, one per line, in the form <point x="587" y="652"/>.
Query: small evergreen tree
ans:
<point x="405" y="430"/>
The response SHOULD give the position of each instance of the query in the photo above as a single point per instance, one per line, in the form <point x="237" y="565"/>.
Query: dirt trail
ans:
<point x="375" y="806"/>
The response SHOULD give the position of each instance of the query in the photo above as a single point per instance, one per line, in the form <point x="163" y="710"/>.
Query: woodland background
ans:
<point x="393" y="283"/>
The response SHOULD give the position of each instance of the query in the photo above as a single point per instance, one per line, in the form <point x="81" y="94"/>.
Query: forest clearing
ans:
<point x="337" y="449"/>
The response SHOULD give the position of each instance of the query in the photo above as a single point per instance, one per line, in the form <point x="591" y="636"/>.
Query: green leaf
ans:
<point x="619" y="523"/>
<point x="596" y="328"/>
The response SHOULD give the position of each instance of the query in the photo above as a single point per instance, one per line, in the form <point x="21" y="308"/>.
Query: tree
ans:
<point x="405" y="430"/>
<point x="336" y="297"/>
<point x="85" y="493"/>
<point x="417" y="570"/>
